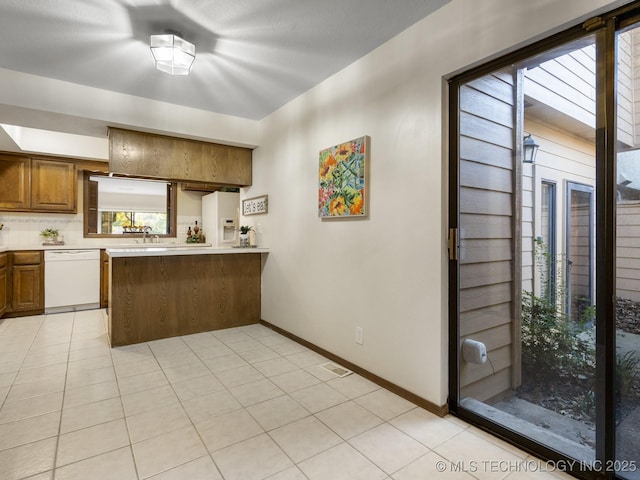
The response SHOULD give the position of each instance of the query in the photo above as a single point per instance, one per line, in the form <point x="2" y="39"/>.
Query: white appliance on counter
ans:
<point x="220" y="218"/>
<point x="71" y="280"/>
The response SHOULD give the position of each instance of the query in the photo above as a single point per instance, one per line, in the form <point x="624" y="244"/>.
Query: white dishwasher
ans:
<point x="71" y="280"/>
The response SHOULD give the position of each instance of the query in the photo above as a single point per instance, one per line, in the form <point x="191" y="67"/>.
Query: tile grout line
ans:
<point x="311" y="414"/>
<point x="245" y="356"/>
<point x="185" y="412"/>
<point x="124" y="413"/>
<point x="60" y="434"/>
<point x="13" y="382"/>
<point x="35" y="336"/>
<point x="64" y="392"/>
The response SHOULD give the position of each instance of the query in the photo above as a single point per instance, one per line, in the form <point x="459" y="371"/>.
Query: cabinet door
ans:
<point x="225" y="165"/>
<point x="14" y="182"/>
<point x="53" y="186"/>
<point x="3" y="283"/>
<point x="27" y="288"/>
<point x="239" y="166"/>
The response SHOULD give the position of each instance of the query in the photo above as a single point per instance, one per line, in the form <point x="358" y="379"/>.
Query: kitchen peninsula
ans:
<point x="157" y="292"/>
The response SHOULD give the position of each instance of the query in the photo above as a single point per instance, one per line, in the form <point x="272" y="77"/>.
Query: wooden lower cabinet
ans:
<point x="26" y="283"/>
<point x="167" y="296"/>
<point x="4" y="281"/>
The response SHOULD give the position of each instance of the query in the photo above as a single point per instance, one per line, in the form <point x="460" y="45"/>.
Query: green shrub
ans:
<point x="626" y="372"/>
<point x="552" y="343"/>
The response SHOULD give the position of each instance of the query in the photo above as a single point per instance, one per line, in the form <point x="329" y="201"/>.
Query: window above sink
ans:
<point x="124" y="207"/>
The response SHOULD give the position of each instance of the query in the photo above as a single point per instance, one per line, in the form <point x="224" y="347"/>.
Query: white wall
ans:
<point x="388" y="273"/>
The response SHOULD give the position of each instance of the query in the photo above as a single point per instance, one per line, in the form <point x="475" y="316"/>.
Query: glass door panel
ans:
<point x="524" y="280"/>
<point x="627" y="322"/>
<point x="526" y="249"/>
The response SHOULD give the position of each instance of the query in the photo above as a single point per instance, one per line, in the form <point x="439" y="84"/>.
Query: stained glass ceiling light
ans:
<point x="172" y="54"/>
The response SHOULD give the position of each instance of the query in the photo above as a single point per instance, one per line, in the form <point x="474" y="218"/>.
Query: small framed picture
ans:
<point x="255" y="205"/>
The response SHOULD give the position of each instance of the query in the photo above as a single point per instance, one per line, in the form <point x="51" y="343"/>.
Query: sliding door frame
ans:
<point x="605" y="29"/>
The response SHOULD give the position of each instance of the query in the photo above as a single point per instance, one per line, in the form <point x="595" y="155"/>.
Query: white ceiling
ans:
<point x="252" y="56"/>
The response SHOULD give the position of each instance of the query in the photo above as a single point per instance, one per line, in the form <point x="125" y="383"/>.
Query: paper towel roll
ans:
<point x="474" y="352"/>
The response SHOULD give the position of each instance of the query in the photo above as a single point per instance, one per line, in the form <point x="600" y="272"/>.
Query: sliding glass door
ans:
<point x="545" y="248"/>
<point x="627" y="259"/>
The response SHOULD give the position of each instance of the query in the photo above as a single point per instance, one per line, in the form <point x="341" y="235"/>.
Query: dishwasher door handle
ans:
<point x="69" y="252"/>
<point x="70" y="255"/>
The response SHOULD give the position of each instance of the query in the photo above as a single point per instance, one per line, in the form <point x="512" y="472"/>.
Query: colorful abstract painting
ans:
<point x="342" y="189"/>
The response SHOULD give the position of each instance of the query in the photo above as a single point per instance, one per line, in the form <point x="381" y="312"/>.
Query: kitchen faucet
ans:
<point x="145" y="231"/>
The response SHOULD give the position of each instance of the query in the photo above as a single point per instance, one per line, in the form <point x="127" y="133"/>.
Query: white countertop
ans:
<point x="130" y="249"/>
<point x="96" y="246"/>
<point x="160" y="251"/>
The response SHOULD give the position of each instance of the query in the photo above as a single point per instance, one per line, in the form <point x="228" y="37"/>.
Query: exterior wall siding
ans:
<point x="487" y="241"/>
<point x="628" y="251"/>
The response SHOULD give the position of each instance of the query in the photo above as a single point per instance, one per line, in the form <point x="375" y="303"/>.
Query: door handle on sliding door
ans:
<point x="453" y="244"/>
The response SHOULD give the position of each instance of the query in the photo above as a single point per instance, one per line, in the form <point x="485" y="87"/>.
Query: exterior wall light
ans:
<point x="530" y="149"/>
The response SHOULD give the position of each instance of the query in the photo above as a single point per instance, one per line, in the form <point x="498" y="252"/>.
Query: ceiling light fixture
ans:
<point x="172" y="54"/>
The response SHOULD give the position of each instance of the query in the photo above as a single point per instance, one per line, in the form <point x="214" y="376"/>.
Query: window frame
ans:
<point x="172" y="207"/>
<point x="552" y="243"/>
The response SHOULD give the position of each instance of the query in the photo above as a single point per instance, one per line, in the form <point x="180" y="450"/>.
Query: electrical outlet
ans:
<point x="359" y="335"/>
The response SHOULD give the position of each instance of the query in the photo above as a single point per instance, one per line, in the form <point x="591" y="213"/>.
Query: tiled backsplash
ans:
<point x="22" y="230"/>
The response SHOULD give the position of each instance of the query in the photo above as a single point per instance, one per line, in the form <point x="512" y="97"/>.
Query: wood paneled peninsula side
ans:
<point x="159" y="293"/>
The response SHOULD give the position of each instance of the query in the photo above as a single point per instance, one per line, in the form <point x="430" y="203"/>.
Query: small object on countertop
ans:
<point x="50" y="236"/>
<point x="244" y="235"/>
<point x="196" y="235"/>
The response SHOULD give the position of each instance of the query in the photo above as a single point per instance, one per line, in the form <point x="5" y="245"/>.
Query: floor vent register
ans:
<point x="337" y="370"/>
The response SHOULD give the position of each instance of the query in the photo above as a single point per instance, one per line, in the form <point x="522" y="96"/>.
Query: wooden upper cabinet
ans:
<point x="53" y="185"/>
<point x="239" y="164"/>
<point x="33" y="184"/>
<point x="15" y="193"/>
<point x="157" y="156"/>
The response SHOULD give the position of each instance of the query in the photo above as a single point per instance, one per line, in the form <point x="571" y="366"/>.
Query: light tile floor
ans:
<point x="237" y="404"/>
